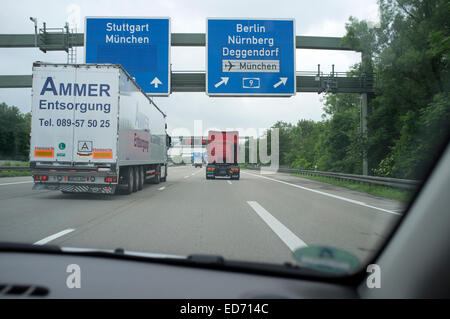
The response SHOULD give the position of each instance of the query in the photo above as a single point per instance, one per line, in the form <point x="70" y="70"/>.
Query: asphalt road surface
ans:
<point x="261" y="217"/>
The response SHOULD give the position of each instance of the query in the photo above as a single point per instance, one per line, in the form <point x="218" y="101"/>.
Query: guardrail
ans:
<point x="385" y="181"/>
<point x="27" y="168"/>
<point x="375" y="180"/>
<point x="15" y="168"/>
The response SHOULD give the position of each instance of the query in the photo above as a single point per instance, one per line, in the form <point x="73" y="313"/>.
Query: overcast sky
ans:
<point x="313" y="18"/>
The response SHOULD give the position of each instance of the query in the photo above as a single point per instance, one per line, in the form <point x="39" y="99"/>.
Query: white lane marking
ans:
<point x="288" y="237"/>
<point x="229" y="182"/>
<point x="16" y="183"/>
<point x="54" y="236"/>
<point x="161" y="188"/>
<point x="327" y="194"/>
<point x="193" y="174"/>
<point x="186" y="176"/>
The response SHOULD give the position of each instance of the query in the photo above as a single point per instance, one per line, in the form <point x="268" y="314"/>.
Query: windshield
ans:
<point x="181" y="128"/>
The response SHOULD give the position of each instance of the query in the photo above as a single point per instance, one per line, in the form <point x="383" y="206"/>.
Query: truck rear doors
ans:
<point x="74" y="114"/>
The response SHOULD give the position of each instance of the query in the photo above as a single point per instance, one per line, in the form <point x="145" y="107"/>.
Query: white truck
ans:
<point x="94" y="130"/>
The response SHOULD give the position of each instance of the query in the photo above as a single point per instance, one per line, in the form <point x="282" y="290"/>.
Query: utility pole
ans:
<point x="364" y="113"/>
<point x="365" y="162"/>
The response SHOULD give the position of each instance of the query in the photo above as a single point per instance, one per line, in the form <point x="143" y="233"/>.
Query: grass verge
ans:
<point x="377" y="190"/>
<point x="15" y="173"/>
<point x="13" y="163"/>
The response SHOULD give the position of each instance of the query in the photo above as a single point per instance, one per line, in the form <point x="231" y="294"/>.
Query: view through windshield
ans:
<point x="297" y="134"/>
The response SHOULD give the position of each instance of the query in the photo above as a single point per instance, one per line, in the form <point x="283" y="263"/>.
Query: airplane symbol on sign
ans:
<point x="227" y="65"/>
<point x="230" y="65"/>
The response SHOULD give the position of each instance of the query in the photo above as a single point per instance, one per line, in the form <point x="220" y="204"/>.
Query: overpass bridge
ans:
<point x="307" y="81"/>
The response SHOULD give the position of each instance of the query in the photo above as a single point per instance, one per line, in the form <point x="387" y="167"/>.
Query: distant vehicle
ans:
<point x="222" y="154"/>
<point x="197" y="159"/>
<point x="94" y="130"/>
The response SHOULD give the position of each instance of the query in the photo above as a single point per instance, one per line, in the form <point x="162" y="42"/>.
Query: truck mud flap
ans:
<point x="95" y="189"/>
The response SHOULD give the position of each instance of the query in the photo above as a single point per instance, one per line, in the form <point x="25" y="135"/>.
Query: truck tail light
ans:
<point x="110" y="179"/>
<point x="40" y="177"/>
<point x="210" y="169"/>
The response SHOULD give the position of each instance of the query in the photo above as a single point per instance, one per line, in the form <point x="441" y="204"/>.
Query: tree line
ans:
<point x="14" y="133"/>
<point x="409" y="115"/>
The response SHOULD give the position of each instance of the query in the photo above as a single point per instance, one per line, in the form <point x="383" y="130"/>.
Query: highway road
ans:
<point x="261" y="217"/>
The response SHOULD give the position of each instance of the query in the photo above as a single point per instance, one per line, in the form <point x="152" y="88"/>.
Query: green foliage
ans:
<point x="410" y="54"/>
<point x="14" y="133"/>
<point x="333" y="144"/>
<point x="409" y="116"/>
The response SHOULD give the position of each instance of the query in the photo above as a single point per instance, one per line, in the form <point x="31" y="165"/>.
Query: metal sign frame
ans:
<point x="252" y="94"/>
<point x="169" y="71"/>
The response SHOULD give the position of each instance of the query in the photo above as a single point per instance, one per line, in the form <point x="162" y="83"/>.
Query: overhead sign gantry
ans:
<point x="250" y="57"/>
<point x="140" y="45"/>
<point x="195" y="81"/>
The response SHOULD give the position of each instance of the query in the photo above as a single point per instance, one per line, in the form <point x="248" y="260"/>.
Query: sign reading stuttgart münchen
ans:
<point x="140" y="45"/>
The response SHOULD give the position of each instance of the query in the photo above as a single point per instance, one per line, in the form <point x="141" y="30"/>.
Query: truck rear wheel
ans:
<point x="129" y="177"/>
<point x="140" y="181"/>
<point x="135" y="178"/>
<point x="157" y="177"/>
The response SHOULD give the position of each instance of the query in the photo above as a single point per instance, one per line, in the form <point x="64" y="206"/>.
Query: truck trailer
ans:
<point x="222" y="154"/>
<point x="197" y="159"/>
<point x="94" y="130"/>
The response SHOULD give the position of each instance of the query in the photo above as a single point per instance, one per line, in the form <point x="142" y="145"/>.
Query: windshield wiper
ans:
<point x="197" y="260"/>
<point x="8" y="246"/>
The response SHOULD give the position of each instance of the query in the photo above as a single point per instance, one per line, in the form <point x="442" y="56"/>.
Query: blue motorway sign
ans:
<point x="250" y="57"/>
<point x="140" y="45"/>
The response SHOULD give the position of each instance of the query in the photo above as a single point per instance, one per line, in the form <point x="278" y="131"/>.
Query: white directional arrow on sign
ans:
<point x="224" y="81"/>
<point x="155" y="82"/>
<point x="282" y="81"/>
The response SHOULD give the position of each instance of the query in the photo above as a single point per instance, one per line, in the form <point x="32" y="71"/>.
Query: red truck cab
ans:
<point x="223" y="154"/>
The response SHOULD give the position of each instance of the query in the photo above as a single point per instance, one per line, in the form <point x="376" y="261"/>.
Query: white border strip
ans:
<point x="16" y="183"/>
<point x="327" y="194"/>
<point x="54" y="236"/>
<point x="288" y="237"/>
